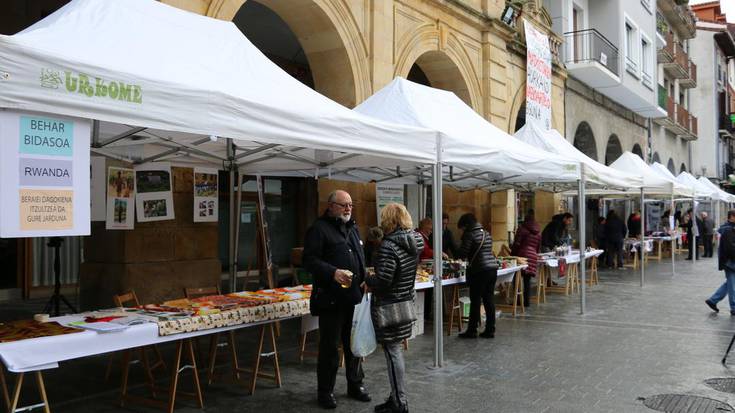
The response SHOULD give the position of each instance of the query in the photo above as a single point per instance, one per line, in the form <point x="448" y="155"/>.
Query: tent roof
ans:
<point x="595" y="172"/>
<point x="721" y="195"/>
<point x="653" y="181"/>
<point x="468" y="140"/>
<point x="703" y="191"/>
<point x="147" y="64"/>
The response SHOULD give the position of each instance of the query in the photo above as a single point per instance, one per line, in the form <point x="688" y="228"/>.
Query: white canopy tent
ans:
<point x="173" y="82"/>
<point x="595" y="172"/>
<point x="700" y="190"/>
<point x="720" y="194"/>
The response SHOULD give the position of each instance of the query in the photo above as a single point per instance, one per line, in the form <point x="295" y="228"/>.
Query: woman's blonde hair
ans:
<point x="395" y="216"/>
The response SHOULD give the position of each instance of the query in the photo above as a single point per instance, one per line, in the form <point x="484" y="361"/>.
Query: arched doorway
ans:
<point x="656" y="158"/>
<point x="682" y="168"/>
<point x="520" y="117"/>
<point x="613" y="149"/>
<point x="302" y="39"/>
<point x="437" y="70"/>
<point x="637" y="150"/>
<point x="671" y="166"/>
<point x="584" y="140"/>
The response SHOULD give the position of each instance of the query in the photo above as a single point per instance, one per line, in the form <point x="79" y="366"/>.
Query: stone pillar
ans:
<point x="156" y="259"/>
<point x="502" y="217"/>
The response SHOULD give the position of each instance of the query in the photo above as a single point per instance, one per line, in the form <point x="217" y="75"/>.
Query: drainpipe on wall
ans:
<point x="650" y="137"/>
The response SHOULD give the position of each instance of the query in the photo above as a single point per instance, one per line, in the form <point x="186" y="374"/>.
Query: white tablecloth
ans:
<point x="504" y="275"/>
<point x="46" y="352"/>
<point x="572" y="258"/>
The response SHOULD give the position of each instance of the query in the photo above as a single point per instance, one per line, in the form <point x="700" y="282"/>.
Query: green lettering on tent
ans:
<point x="125" y="91"/>
<point x="71" y="82"/>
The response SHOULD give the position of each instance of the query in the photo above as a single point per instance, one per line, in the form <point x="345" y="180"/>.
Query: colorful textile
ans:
<point x="26" y="329"/>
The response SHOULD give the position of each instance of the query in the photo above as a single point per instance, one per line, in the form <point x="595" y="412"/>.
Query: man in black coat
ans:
<point x="333" y="254"/>
<point x="707" y="230"/>
<point x="691" y="232"/>
<point x="615" y="231"/>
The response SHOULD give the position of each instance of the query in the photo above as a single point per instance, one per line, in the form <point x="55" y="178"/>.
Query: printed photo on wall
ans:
<point x="206" y="194"/>
<point x="153" y="198"/>
<point x="120" y="198"/>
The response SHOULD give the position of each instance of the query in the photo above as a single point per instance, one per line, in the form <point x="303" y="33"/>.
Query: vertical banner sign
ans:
<point x="538" y="77"/>
<point x="205" y="195"/>
<point x="386" y="194"/>
<point x="153" y="197"/>
<point x="44" y="175"/>
<point x="120" y="198"/>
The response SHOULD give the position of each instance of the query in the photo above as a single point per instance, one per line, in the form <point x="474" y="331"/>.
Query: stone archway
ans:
<point x="682" y="168"/>
<point x="332" y="45"/>
<point x="584" y="140"/>
<point x="656" y="157"/>
<point x="436" y="69"/>
<point x="613" y="150"/>
<point x="520" y="117"/>
<point x="671" y="166"/>
<point x="638" y="151"/>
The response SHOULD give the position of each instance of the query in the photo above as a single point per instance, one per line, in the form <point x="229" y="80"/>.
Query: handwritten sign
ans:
<point x="538" y="77"/>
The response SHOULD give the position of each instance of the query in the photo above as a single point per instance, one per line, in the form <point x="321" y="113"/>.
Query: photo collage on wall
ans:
<point x="120" y="198"/>
<point x="154" y="198"/>
<point x="205" y="195"/>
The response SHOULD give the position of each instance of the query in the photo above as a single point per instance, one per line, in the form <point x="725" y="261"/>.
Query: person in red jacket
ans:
<point x="527" y="244"/>
<point x="426" y="230"/>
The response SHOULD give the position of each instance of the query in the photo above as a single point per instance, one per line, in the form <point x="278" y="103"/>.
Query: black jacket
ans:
<point x="707" y="227"/>
<point x="448" y="245"/>
<point x="615" y="230"/>
<point x="395" y="277"/>
<point x="554" y="233"/>
<point x="634" y="227"/>
<point x="471" y="242"/>
<point x="329" y="245"/>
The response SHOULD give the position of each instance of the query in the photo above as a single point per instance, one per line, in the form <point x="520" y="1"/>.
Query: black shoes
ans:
<point x="468" y="334"/>
<point x="390" y="407"/>
<point x="359" y="393"/>
<point x="327" y="400"/>
<point x="712" y="305"/>
<point x="488" y="334"/>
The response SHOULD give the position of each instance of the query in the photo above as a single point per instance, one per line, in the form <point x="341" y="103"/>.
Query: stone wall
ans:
<point x="156" y="259"/>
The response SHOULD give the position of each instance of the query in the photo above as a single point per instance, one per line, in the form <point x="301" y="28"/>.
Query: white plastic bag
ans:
<point x="362" y="337"/>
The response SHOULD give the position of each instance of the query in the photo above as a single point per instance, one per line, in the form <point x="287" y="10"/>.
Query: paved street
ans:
<point x="632" y="343"/>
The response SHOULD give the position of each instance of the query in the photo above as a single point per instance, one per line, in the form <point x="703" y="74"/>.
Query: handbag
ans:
<point x="395" y="314"/>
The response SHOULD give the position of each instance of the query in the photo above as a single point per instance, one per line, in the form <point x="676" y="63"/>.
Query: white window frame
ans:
<point x="632" y="57"/>
<point x="647" y="77"/>
<point x="647" y="5"/>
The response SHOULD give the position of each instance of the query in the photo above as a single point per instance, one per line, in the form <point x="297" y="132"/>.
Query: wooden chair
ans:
<point x="453" y="308"/>
<point x="129" y="299"/>
<point x="214" y="342"/>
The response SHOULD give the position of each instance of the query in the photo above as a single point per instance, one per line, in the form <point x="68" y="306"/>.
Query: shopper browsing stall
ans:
<point x="333" y="253"/>
<point x="556" y="232"/>
<point x="482" y="272"/>
<point x="393" y="293"/>
<point x="527" y="243"/>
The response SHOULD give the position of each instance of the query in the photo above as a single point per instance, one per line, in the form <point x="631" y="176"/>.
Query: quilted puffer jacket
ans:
<point x="527" y="244"/>
<point x="395" y="275"/>
<point x="471" y="242"/>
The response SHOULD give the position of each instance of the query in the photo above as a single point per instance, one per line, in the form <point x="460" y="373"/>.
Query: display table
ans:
<point x="571" y="278"/>
<point x="660" y="240"/>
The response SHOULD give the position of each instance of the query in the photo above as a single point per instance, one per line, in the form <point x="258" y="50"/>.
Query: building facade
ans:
<point x="713" y="51"/>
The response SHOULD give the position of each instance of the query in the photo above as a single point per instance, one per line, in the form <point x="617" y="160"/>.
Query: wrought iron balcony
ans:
<point x="590" y="57"/>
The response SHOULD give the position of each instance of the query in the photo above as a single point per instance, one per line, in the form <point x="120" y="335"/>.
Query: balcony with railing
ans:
<point x="691" y="80"/>
<point x="591" y="58"/>
<point x="679" y="17"/>
<point x="678" y="120"/>
<point x="726" y="128"/>
<point x="675" y="60"/>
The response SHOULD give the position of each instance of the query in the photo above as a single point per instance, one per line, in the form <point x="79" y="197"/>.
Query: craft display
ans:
<point x="27" y="329"/>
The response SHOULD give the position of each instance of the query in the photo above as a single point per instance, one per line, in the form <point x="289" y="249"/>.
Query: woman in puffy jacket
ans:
<point x="394" y="281"/>
<point x="527" y="244"/>
<point x="482" y="272"/>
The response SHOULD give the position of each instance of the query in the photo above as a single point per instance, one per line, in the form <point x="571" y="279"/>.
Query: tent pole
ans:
<point x="437" y="218"/>
<point x="673" y="235"/>
<point x="231" y="240"/>
<point x="582" y="241"/>
<point x="642" y="249"/>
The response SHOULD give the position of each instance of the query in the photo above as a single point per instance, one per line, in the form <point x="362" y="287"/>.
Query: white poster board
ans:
<point x="120" y="198"/>
<point x="98" y="173"/>
<point x="44" y="175"/>
<point x="205" y="194"/>
<point x="538" y="77"/>
<point x="387" y="193"/>
<point x="153" y="196"/>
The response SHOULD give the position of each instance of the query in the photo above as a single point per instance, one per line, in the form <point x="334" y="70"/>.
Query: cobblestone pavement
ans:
<point x="632" y="343"/>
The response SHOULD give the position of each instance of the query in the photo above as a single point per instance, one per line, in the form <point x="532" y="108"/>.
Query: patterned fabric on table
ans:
<point x="237" y="308"/>
<point x="25" y="329"/>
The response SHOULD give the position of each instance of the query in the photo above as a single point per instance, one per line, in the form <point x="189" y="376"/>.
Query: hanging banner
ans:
<point x="205" y="195"/>
<point x="120" y="198"/>
<point x="44" y="175"/>
<point x="538" y="77"/>
<point x="97" y="174"/>
<point x="153" y="197"/>
<point x="386" y="194"/>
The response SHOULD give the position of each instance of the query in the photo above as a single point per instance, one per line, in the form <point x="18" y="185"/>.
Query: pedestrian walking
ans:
<point x="614" y="235"/>
<point x="726" y="262"/>
<point x="527" y="244"/>
<point x="392" y="287"/>
<point x="707" y="231"/>
<point x="482" y="272"/>
<point x="333" y="254"/>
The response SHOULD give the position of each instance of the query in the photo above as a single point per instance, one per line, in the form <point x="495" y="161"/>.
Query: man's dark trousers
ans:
<point x="334" y="327"/>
